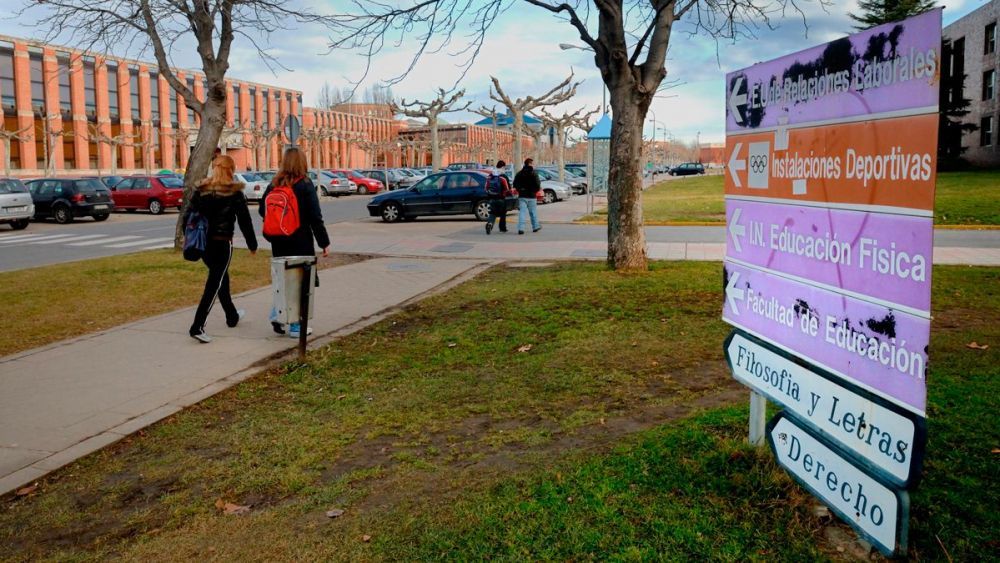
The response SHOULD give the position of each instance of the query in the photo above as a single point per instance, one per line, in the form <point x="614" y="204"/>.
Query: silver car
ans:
<point x="552" y="189"/>
<point x="16" y="207"/>
<point x="253" y="185"/>
<point x="331" y="183"/>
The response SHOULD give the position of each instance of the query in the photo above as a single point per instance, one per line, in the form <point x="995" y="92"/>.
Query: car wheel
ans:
<point x="19" y="224"/>
<point x="391" y="212"/>
<point x="323" y="191"/>
<point x="62" y="214"/>
<point x="155" y="207"/>
<point x="549" y="197"/>
<point x="101" y="217"/>
<point x="483" y="210"/>
<point x="362" y="190"/>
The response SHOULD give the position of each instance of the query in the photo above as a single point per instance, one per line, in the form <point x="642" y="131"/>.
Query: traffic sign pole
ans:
<point x="758" y="418"/>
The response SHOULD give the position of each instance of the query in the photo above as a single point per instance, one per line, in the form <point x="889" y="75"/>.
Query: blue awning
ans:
<point x="602" y="130"/>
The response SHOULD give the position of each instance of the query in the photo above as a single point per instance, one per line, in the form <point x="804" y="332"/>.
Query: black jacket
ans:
<point x="527" y="183"/>
<point x="300" y="243"/>
<point x="224" y="206"/>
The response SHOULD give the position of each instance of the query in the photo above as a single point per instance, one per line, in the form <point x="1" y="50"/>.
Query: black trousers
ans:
<point x="498" y="208"/>
<point x="218" y="254"/>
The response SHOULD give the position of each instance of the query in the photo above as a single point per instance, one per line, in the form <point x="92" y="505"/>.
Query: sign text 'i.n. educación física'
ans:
<point x="831" y="167"/>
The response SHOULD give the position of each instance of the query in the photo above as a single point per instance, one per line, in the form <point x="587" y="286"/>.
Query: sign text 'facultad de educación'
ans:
<point x="832" y="156"/>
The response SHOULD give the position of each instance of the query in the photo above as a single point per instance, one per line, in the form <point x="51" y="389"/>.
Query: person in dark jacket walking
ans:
<point x="221" y="201"/>
<point x="294" y="171"/>
<point x="498" y="200"/>
<point x="527" y="184"/>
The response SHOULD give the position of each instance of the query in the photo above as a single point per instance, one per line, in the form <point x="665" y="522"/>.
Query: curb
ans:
<point x="717" y="224"/>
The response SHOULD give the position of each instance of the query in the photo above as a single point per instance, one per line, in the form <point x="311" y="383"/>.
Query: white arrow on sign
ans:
<point x="737" y="100"/>
<point x="733" y="293"/>
<point x="735" y="229"/>
<point x="735" y="166"/>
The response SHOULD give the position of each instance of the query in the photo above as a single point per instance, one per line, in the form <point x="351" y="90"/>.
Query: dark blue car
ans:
<point x="445" y="193"/>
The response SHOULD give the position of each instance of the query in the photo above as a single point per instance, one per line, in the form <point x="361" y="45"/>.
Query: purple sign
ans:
<point x="889" y="69"/>
<point x="877" y="347"/>
<point x="887" y="257"/>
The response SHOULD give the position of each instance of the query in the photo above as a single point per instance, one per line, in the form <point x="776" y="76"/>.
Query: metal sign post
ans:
<point x="304" y="293"/>
<point x="827" y="276"/>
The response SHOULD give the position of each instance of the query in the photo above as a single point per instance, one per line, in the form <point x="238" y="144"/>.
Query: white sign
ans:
<point x="872" y="508"/>
<point x="884" y="437"/>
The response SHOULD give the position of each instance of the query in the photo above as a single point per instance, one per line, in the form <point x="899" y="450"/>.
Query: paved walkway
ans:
<point x="63" y="401"/>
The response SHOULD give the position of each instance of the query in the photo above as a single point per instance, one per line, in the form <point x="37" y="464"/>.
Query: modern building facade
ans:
<point x="974" y="52"/>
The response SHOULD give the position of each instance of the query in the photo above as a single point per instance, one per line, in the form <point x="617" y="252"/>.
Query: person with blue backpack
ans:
<point x="216" y="207"/>
<point x="497" y="188"/>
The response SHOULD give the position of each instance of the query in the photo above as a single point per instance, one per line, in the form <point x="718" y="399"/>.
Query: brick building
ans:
<point x="105" y="113"/>
<point x="974" y="53"/>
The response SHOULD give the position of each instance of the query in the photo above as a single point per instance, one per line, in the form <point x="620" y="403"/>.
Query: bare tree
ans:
<point x="629" y="39"/>
<point x="493" y="116"/>
<point x="431" y="111"/>
<point x="519" y="107"/>
<point x="160" y="25"/>
<point x="49" y="138"/>
<point x="101" y="138"/>
<point x="562" y="125"/>
<point x="22" y="135"/>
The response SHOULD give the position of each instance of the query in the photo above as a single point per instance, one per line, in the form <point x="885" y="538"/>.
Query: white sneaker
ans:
<point x="294" y="332"/>
<point x="202" y="337"/>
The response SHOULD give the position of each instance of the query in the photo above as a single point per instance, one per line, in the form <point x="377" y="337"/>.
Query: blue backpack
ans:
<point x="195" y="235"/>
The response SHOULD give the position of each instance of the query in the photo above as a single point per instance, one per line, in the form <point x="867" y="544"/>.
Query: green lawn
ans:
<point x="618" y="435"/>
<point x="53" y="303"/>
<point x="963" y="198"/>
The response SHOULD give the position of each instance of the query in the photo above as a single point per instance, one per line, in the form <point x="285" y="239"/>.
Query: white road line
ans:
<point x="64" y="239"/>
<point x="13" y="238"/>
<point x="33" y="239"/>
<point x="159" y="246"/>
<point x="103" y="241"/>
<point x="141" y="242"/>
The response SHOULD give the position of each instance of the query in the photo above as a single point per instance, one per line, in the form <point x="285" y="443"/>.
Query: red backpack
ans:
<point x="281" y="212"/>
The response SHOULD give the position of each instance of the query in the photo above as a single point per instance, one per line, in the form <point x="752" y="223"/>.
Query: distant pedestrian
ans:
<point x="221" y="201"/>
<point x="498" y="190"/>
<point x="527" y="184"/>
<point x="294" y="174"/>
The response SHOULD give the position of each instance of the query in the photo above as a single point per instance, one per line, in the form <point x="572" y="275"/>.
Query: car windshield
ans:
<point x="250" y="177"/>
<point x="359" y="174"/>
<point x="338" y="174"/>
<point x="12" y="186"/>
<point x="89" y="186"/>
<point x="172" y="182"/>
<point x="545" y="174"/>
<point x="405" y="172"/>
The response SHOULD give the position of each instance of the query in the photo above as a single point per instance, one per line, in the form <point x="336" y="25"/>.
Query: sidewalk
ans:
<point x="63" y="401"/>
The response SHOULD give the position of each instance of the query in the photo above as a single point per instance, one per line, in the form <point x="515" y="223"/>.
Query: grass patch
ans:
<point x="619" y="436"/>
<point x="962" y="198"/>
<point x="53" y="303"/>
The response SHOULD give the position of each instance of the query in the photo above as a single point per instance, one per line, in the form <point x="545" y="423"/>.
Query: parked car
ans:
<point x="363" y="183"/>
<point x="552" y="189"/>
<point x="464" y="166"/>
<point x="267" y="175"/>
<point x="578" y="185"/>
<point x="330" y="183"/>
<point x="108" y="181"/>
<point x="393" y="178"/>
<point x="578" y="169"/>
<point x="16" y="207"/>
<point x="688" y="169"/>
<point x="253" y="185"/>
<point x="65" y="199"/>
<point x="444" y="193"/>
<point x="154" y="193"/>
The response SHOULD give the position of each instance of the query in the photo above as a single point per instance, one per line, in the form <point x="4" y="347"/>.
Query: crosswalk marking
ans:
<point x="151" y="241"/>
<point x="103" y="241"/>
<point x="33" y="238"/>
<point x="63" y="239"/>
<point x="13" y="238"/>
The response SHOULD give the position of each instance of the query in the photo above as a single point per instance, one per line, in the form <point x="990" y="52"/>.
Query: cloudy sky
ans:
<point x="522" y="51"/>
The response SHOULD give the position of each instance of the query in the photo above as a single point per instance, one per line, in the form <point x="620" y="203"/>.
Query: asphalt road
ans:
<point x="45" y="242"/>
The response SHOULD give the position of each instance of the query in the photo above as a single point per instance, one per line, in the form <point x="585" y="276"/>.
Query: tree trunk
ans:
<point x="213" y="118"/>
<point x="626" y="237"/>
<point x="6" y="156"/>
<point x="432" y="122"/>
<point x="560" y="155"/>
<point x="114" y="159"/>
<point x="518" y="124"/>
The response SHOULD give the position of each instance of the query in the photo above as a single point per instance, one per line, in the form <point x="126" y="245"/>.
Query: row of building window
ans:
<point x="38" y="94"/>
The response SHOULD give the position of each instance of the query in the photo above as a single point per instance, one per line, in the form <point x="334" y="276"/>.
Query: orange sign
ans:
<point x="886" y="163"/>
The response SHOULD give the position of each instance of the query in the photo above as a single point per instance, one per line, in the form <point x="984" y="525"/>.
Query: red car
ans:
<point x="365" y="184"/>
<point x="154" y="193"/>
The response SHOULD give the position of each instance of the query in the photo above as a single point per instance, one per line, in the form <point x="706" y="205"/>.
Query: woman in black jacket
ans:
<point x="294" y="171"/>
<point x="221" y="201"/>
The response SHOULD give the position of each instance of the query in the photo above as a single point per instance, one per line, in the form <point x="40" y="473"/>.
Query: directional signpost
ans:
<point x="829" y="203"/>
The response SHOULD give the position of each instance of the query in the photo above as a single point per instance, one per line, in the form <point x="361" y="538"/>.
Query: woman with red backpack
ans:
<point x="292" y="217"/>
